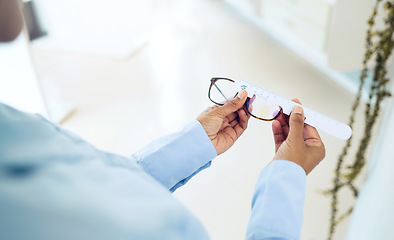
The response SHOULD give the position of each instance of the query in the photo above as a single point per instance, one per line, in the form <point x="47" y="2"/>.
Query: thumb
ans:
<point x="296" y="122"/>
<point x="234" y="105"/>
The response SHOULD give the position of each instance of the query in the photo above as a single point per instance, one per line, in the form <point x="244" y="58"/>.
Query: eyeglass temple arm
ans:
<point x="220" y="91"/>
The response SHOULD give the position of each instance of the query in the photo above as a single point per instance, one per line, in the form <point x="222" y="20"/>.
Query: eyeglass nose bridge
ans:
<point x="276" y="115"/>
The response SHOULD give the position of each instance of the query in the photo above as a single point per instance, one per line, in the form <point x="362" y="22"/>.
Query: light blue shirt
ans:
<point x="54" y="185"/>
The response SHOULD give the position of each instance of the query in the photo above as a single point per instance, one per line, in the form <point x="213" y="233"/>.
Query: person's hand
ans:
<point x="296" y="141"/>
<point x="225" y="124"/>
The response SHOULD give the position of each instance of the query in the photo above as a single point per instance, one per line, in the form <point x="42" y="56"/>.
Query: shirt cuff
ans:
<point x="173" y="160"/>
<point x="278" y="201"/>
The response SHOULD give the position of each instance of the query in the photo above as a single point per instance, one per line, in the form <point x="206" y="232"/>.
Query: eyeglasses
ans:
<point x="223" y="90"/>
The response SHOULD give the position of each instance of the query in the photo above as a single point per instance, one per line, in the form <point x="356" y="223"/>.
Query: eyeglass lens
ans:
<point x="223" y="91"/>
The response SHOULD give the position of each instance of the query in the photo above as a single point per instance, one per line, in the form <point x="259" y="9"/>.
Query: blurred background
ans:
<point x="122" y="73"/>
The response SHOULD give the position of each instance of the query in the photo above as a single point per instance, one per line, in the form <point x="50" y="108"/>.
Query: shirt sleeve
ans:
<point x="173" y="160"/>
<point x="278" y="201"/>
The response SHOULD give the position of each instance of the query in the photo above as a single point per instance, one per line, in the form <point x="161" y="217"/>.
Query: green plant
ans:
<point x="379" y="46"/>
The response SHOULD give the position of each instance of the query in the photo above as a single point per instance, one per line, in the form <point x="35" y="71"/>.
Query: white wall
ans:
<point x="346" y="45"/>
<point x="115" y="28"/>
<point x="19" y="85"/>
<point x="373" y="217"/>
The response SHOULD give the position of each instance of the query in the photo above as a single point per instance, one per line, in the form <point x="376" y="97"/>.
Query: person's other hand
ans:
<point x="296" y="141"/>
<point x="225" y="124"/>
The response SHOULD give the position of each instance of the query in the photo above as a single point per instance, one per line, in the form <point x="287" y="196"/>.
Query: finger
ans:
<point x="278" y="133"/>
<point x="296" y="100"/>
<point x="225" y="124"/>
<point x="296" y="124"/>
<point x="233" y="123"/>
<point x="209" y="109"/>
<point x="214" y="107"/>
<point x="243" y="118"/>
<point x="233" y="105"/>
<point x="232" y="116"/>
<point x="242" y="123"/>
<point x="309" y="131"/>
<point x="284" y="122"/>
<point x="236" y="117"/>
<point x="250" y="103"/>
<point x="245" y="110"/>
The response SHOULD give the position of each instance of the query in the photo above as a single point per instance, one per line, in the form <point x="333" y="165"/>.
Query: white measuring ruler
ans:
<point x="313" y="118"/>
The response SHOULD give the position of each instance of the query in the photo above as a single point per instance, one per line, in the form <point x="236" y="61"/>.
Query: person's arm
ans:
<point x="54" y="185"/>
<point x="175" y="159"/>
<point x="278" y="199"/>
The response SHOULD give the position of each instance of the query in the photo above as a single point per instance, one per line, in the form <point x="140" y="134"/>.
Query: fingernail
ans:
<point x="297" y="109"/>
<point x="242" y="94"/>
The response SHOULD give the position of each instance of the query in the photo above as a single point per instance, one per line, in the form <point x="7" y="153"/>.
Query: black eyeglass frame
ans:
<point x="215" y="79"/>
